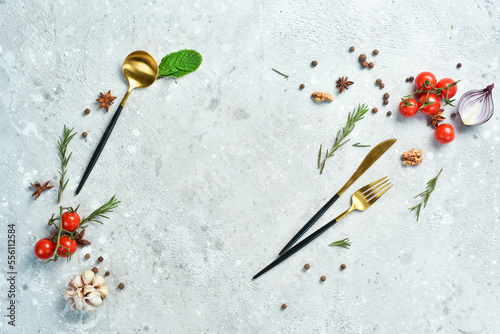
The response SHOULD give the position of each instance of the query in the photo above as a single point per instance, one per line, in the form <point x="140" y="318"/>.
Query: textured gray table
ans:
<point x="217" y="170"/>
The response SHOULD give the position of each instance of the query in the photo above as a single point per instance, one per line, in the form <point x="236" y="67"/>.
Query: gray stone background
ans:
<point x="217" y="170"/>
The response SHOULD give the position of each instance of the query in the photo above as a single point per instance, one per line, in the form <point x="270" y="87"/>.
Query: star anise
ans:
<point x="82" y="242"/>
<point x="105" y="100"/>
<point x="343" y="83"/>
<point x="436" y="118"/>
<point x="40" y="188"/>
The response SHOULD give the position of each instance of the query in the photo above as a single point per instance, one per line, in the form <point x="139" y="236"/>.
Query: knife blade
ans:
<point x="369" y="160"/>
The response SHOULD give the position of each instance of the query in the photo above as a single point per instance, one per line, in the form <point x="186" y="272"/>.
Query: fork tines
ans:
<point x="375" y="190"/>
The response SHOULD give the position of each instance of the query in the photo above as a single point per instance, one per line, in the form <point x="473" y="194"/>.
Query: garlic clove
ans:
<point x="76" y="282"/>
<point x="88" y="276"/>
<point x="89" y="307"/>
<point x="103" y="291"/>
<point x="88" y="289"/>
<point x="94" y="297"/>
<point x="68" y="294"/>
<point x="98" y="281"/>
<point x="78" y="300"/>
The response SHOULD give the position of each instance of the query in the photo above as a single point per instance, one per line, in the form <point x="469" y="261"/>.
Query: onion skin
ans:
<point x="480" y="113"/>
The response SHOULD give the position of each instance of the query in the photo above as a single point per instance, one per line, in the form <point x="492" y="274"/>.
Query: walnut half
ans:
<point x="413" y="157"/>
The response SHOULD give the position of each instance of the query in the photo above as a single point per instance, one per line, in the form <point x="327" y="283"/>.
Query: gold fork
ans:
<point x="361" y="200"/>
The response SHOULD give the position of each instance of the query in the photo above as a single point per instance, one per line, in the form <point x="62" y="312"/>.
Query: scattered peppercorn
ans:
<point x="378" y="81"/>
<point x="386" y="96"/>
<point x="84" y="134"/>
<point x="411" y="79"/>
<point x="374" y="110"/>
<point x="386" y="101"/>
<point x="459" y="65"/>
<point x="352" y="49"/>
<point x="375" y="52"/>
<point x="87" y="111"/>
<point x="371" y="65"/>
<point x="362" y="57"/>
<point x="314" y="63"/>
<point x="382" y="85"/>
<point x="100" y="259"/>
<point x="107" y="273"/>
<point x="307" y="266"/>
<point x="302" y="86"/>
<point x="407" y="79"/>
<point x="364" y="64"/>
<point x="323" y="278"/>
<point x="343" y="266"/>
<point x="453" y="115"/>
<point x="95" y="270"/>
<point x="389" y="113"/>
<point x="121" y="286"/>
<point x="284" y="306"/>
<point x="87" y="256"/>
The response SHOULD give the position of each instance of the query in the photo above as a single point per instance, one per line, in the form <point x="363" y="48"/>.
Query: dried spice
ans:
<point x="321" y="96"/>
<point x="352" y="49"/>
<point x="82" y="242"/>
<point x="95" y="270"/>
<point x="386" y="96"/>
<point x="459" y="65"/>
<point x="284" y="306"/>
<point x="100" y="259"/>
<point x="382" y="85"/>
<point x="375" y="52"/>
<point x="389" y="113"/>
<point x="386" y="102"/>
<point x="343" y="83"/>
<point x="106" y="100"/>
<point x="371" y="65"/>
<point x="84" y="135"/>
<point x="87" y="256"/>
<point x="362" y="57"/>
<point x="378" y="82"/>
<point x="364" y="64"/>
<point x="302" y="86"/>
<point x="107" y="273"/>
<point x="121" y="286"/>
<point x="40" y="188"/>
<point x="314" y="63"/>
<point x="413" y="157"/>
<point x="412" y="79"/>
<point x="323" y="278"/>
<point x="436" y="118"/>
<point x="87" y="111"/>
<point x="307" y="266"/>
<point x="374" y="110"/>
<point x="343" y="266"/>
<point x="453" y="115"/>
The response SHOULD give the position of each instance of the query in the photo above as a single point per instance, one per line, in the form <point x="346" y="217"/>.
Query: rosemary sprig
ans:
<point x="286" y="76"/>
<point x="431" y="184"/>
<point x="359" y="145"/>
<point x="100" y="213"/>
<point x="355" y="116"/>
<point x="341" y="243"/>
<point x="63" y="145"/>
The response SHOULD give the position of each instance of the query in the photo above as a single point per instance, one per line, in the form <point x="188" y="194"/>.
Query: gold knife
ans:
<point x="371" y="157"/>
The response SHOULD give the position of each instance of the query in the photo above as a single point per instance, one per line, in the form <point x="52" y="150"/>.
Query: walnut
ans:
<point x="320" y="96"/>
<point x="413" y="157"/>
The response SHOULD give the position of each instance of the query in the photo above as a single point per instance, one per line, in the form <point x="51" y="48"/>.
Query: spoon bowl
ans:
<point x="140" y="70"/>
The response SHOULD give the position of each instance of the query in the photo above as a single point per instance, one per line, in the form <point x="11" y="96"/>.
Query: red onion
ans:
<point x="476" y="106"/>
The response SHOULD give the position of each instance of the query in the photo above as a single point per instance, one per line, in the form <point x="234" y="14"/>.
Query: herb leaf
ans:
<point x="354" y="116"/>
<point x="101" y="212"/>
<point x="62" y="144"/>
<point x="431" y="185"/>
<point x="341" y="243"/>
<point x="180" y="63"/>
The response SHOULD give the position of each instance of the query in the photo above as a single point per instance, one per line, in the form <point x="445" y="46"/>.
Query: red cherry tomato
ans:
<point x="445" y="83"/>
<point x="445" y="133"/>
<point x="432" y="108"/>
<point x="70" y="244"/>
<point x="426" y="79"/>
<point x="44" y="249"/>
<point x="410" y="109"/>
<point x="70" y="221"/>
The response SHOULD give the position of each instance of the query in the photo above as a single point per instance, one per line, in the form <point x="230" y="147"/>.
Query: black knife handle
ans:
<point x="296" y="248"/>
<point x="310" y="223"/>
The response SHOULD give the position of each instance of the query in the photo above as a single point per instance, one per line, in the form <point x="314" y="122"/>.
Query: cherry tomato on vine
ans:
<point x="432" y="108"/>
<point x="44" y="249"/>
<point x="421" y="79"/>
<point x="70" y="221"/>
<point x="445" y="83"/>
<point x="70" y="244"/>
<point x="445" y="133"/>
<point x="410" y="109"/>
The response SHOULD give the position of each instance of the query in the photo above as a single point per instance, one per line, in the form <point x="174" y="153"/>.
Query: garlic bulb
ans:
<point x="86" y="291"/>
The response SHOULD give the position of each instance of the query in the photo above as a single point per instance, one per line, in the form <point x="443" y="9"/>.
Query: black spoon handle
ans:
<point x="296" y="248"/>
<point x="310" y="223"/>
<point x="99" y="149"/>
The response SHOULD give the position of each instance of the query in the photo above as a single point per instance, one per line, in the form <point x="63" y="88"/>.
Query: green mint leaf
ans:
<point x="180" y="63"/>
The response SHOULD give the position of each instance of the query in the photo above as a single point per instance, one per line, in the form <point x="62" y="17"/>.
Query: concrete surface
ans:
<point x="217" y="170"/>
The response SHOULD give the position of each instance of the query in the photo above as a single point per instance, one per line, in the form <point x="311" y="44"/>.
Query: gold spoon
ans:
<point x="140" y="70"/>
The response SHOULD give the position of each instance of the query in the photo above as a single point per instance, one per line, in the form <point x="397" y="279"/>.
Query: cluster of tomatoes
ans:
<point x="427" y="99"/>
<point x="45" y="248"/>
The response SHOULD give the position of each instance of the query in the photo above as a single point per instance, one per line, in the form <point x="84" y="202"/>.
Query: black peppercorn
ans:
<point x="284" y="306"/>
<point x="378" y="81"/>
<point x="459" y="65"/>
<point x="307" y="266"/>
<point x="100" y="259"/>
<point x="453" y="115"/>
<point x="343" y="266"/>
<point x="107" y="273"/>
<point x="95" y="270"/>
<point x="87" y="111"/>
<point x="364" y="64"/>
<point x="302" y="86"/>
<point x="386" y="102"/>
<point x="382" y="85"/>
<point x="362" y="57"/>
<point x="352" y="49"/>
<point x="386" y="96"/>
<point x="314" y="63"/>
<point x="121" y="286"/>
<point x="375" y="52"/>
<point x="389" y="113"/>
<point x="87" y="256"/>
<point x="411" y="79"/>
<point x="374" y="110"/>
<point x="323" y="278"/>
<point x="371" y="65"/>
